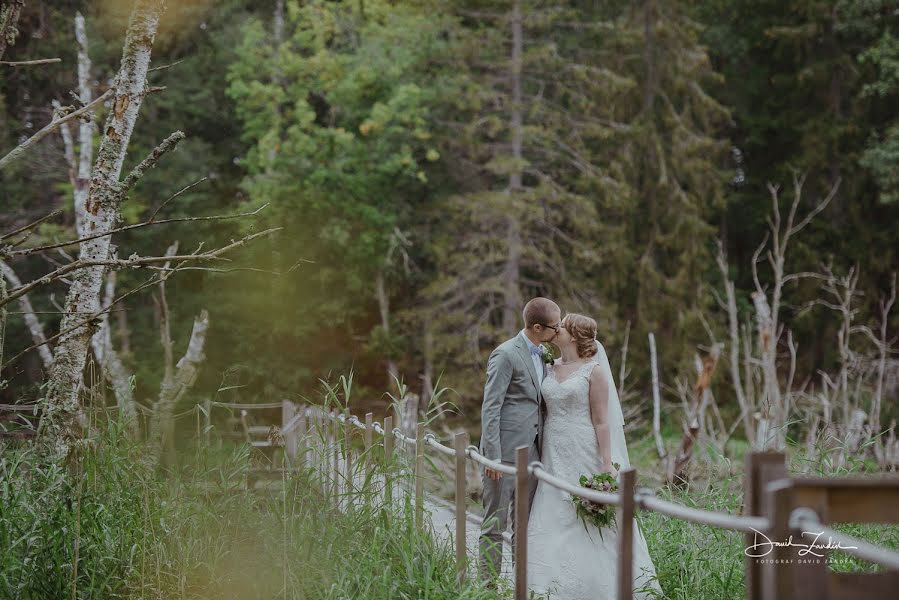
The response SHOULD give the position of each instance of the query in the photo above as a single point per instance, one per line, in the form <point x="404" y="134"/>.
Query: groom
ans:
<point x="512" y="416"/>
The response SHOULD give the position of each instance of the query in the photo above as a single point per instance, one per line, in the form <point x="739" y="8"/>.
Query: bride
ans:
<point x="583" y="435"/>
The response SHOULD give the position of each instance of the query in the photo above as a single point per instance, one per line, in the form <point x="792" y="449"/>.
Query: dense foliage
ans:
<point x="419" y="210"/>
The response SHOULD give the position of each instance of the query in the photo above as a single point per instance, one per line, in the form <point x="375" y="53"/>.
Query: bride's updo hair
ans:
<point x="583" y="330"/>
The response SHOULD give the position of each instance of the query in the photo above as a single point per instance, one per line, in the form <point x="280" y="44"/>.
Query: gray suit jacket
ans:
<point x="512" y="411"/>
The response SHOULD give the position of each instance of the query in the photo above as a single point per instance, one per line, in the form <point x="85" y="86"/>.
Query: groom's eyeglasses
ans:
<point x="555" y="328"/>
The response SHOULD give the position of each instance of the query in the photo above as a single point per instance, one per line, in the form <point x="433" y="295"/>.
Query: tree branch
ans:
<point x="131" y="262"/>
<point x="19" y="150"/>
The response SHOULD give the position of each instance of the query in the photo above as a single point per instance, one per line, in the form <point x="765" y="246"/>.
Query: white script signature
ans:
<point x="767" y="546"/>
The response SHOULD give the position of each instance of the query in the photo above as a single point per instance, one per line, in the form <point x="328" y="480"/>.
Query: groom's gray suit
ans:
<point x="511" y="416"/>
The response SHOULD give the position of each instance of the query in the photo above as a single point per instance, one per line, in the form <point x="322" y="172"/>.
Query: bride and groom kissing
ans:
<point x="568" y="414"/>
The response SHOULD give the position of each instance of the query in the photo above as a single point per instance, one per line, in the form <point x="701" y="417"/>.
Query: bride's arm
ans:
<point x="599" y="416"/>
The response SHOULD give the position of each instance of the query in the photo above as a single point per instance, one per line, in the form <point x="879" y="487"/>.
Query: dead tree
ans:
<point x="773" y="409"/>
<point x="744" y="399"/>
<point x="57" y="429"/>
<point x="99" y="194"/>
<point x="178" y="379"/>
<point x="677" y="474"/>
<point x="32" y="322"/>
<point x="9" y="19"/>
<point x="79" y="176"/>
<point x="113" y="368"/>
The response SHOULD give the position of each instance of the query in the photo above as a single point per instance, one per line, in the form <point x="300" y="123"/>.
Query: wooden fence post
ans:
<point x="777" y="575"/>
<point x="521" y="523"/>
<point x="288" y="412"/>
<point x="335" y="467"/>
<point x="419" y="475"/>
<point x="319" y="441"/>
<point x="207" y="424"/>
<point x="302" y="428"/>
<point x="625" y="523"/>
<point x="460" y="443"/>
<point x="369" y="420"/>
<point x="388" y="458"/>
<point x="348" y="459"/>
<point x="760" y="469"/>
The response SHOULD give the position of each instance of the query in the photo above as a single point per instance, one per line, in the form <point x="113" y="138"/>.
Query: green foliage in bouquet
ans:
<point x="548" y="353"/>
<point x="595" y="513"/>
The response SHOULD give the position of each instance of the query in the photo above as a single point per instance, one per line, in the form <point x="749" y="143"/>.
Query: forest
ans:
<point x="418" y="212"/>
<point x="294" y="191"/>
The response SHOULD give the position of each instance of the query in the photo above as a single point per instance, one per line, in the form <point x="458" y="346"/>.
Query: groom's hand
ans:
<point x="493" y="474"/>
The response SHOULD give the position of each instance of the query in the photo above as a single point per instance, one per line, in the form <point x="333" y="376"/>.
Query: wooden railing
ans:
<point x="776" y="506"/>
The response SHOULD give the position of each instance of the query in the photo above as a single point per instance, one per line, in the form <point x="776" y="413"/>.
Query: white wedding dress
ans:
<point x="567" y="560"/>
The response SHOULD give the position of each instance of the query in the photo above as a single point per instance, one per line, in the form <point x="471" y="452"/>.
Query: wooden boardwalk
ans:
<point x="439" y="514"/>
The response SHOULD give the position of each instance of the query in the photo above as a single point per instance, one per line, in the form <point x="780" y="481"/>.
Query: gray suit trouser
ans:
<point x="498" y="497"/>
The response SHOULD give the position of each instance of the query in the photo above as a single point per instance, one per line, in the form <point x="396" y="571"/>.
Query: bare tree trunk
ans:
<point x="9" y="19"/>
<point x="58" y="430"/>
<point x="79" y="176"/>
<point x="512" y="270"/>
<point x="427" y="381"/>
<point x="883" y="347"/>
<point x="123" y="332"/>
<point x="677" y="473"/>
<point x="173" y="389"/>
<point x="278" y="22"/>
<point x="771" y="387"/>
<point x="393" y="372"/>
<point x="745" y="403"/>
<point x="649" y="88"/>
<point x="113" y="368"/>
<point x="81" y="183"/>
<point x="656" y="398"/>
<point x="35" y="328"/>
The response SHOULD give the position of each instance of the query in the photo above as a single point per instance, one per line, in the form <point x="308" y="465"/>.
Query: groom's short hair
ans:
<point x="539" y="310"/>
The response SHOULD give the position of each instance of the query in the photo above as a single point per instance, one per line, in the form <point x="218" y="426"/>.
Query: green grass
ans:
<point x="113" y="528"/>
<point x="696" y="562"/>
<point x="109" y="526"/>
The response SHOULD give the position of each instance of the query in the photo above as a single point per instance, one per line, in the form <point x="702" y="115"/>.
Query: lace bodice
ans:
<point x="569" y="399"/>
<point x="569" y="440"/>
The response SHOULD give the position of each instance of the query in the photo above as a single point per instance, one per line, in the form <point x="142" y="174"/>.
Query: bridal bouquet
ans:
<point x="600" y="515"/>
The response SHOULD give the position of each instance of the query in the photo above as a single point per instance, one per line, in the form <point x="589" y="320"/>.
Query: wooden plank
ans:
<point x="288" y="412"/>
<point x="625" y="522"/>
<point x="419" y="475"/>
<point x="850" y="501"/>
<point x="521" y="523"/>
<point x="369" y="423"/>
<point x="348" y="459"/>
<point x="870" y="586"/>
<point x="388" y="459"/>
<point x="335" y="451"/>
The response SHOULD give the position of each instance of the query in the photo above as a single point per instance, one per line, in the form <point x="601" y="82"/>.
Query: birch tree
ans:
<point x="57" y="430"/>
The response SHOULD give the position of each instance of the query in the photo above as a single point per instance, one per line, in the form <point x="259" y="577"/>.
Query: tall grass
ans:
<point x="697" y="562"/>
<point x="110" y="527"/>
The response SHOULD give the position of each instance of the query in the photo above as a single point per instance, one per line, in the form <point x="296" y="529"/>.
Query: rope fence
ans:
<point x="775" y="504"/>
<point x="762" y="516"/>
